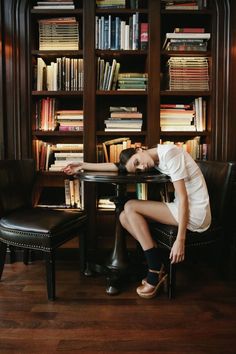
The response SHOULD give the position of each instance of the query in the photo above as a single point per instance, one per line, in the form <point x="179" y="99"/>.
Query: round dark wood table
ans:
<point x="117" y="262"/>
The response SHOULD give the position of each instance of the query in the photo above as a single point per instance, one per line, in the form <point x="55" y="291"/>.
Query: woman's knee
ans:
<point x="130" y="206"/>
<point x="123" y="219"/>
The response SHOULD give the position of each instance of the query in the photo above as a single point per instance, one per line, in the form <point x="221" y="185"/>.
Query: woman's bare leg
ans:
<point x="134" y="216"/>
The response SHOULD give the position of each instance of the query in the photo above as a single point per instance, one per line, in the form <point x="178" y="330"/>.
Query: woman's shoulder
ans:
<point x="163" y="149"/>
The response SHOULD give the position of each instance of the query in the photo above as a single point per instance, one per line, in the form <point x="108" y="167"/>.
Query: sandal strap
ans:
<point x="157" y="271"/>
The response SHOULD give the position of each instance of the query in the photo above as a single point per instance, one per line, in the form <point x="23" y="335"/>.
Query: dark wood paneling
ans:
<point x="2" y="150"/>
<point x="231" y="131"/>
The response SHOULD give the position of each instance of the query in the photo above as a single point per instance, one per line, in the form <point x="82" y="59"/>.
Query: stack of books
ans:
<point x="132" y="81"/>
<point x="54" y="5"/>
<point x="70" y="120"/>
<point x="105" y="204"/>
<point x="188" y="73"/>
<point x="103" y="4"/>
<point x="184" y="117"/>
<point x="124" y="119"/>
<point x="186" y="39"/>
<point x="184" y="4"/>
<point x="177" y="117"/>
<point x="59" y="33"/>
<point x="65" y="154"/>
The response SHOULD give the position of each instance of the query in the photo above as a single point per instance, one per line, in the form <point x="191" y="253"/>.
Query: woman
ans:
<point x="189" y="210"/>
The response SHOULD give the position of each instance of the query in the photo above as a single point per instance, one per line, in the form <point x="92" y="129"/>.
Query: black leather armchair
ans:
<point x="30" y="227"/>
<point x="218" y="176"/>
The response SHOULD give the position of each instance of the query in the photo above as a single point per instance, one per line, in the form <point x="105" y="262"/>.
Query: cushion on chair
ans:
<point x="165" y="235"/>
<point x="39" y="228"/>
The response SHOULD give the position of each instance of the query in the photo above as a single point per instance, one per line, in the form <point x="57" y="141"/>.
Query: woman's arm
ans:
<point x="178" y="249"/>
<point x="72" y="168"/>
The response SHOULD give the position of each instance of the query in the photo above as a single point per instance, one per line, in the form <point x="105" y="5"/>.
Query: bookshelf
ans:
<point x="96" y="102"/>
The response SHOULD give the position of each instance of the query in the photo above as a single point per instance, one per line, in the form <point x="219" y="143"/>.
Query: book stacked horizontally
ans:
<point x="65" y="154"/>
<point x="132" y="81"/>
<point x="55" y="4"/>
<point x="188" y="73"/>
<point x="70" y="120"/>
<point x="177" y="117"/>
<point x="59" y="33"/>
<point x="106" y="203"/>
<point x="184" y="4"/>
<point x="110" y="4"/>
<point x="124" y="119"/>
<point x="186" y="39"/>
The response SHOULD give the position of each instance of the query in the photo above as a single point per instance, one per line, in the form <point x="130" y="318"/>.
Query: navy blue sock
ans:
<point x="154" y="262"/>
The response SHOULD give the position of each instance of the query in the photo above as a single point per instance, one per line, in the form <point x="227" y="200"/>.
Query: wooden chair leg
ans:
<point x="82" y="251"/>
<point x="171" y="281"/>
<point x="26" y="256"/>
<point x="50" y="271"/>
<point x="3" y="252"/>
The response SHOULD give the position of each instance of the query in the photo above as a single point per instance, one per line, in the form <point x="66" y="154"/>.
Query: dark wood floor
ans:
<point x="202" y="318"/>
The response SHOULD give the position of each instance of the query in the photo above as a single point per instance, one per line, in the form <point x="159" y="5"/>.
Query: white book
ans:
<point x="77" y="193"/>
<point x="69" y="154"/>
<point x="40" y="66"/>
<point x="67" y="192"/>
<point x="58" y="7"/>
<point x="184" y="128"/>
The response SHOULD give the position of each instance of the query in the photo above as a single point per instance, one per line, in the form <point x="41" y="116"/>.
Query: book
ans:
<point x="185" y="36"/>
<point x="107" y="143"/>
<point x="123" y="109"/>
<point x="189" y="30"/>
<point x="144" y="35"/>
<point x="184" y="128"/>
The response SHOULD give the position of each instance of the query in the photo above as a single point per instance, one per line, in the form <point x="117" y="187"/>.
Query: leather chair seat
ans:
<point x="38" y="228"/>
<point x="167" y="235"/>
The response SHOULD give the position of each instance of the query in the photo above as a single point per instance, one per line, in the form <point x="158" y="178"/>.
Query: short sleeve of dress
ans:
<point x="175" y="163"/>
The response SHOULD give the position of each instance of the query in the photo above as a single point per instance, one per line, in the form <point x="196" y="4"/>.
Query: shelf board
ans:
<point x="185" y="93"/>
<point x="121" y="11"/>
<point x="57" y="93"/>
<point x="121" y="93"/>
<point x="187" y="12"/>
<point x="118" y="53"/>
<point x="56" y="133"/>
<point x="56" y="53"/>
<point x="184" y="133"/>
<point x="56" y="12"/>
<point x="51" y="173"/>
<point x="118" y="133"/>
<point x="175" y="53"/>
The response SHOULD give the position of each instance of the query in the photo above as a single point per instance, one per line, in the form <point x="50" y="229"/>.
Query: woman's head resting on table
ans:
<point x="137" y="160"/>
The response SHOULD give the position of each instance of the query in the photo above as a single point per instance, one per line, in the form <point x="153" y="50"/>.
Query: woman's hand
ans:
<point x="177" y="251"/>
<point x="72" y="168"/>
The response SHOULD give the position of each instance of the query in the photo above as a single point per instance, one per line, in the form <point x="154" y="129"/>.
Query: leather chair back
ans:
<point x="217" y="175"/>
<point x="16" y="184"/>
